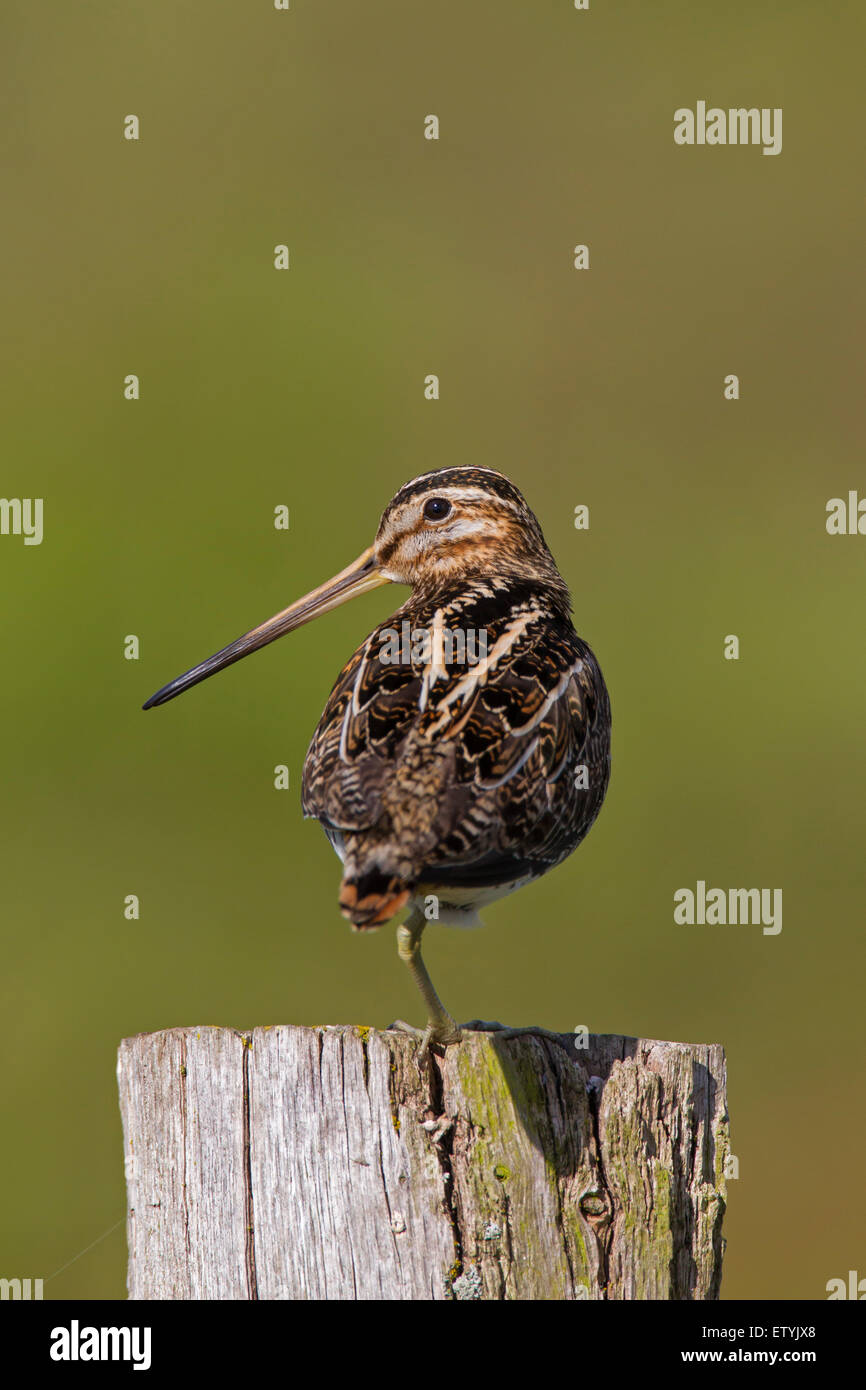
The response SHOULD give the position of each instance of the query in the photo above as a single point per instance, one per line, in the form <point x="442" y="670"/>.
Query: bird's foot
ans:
<point x="440" y="1034"/>
<point x="480" y="1025"/>
<point x="399" y="1026"/>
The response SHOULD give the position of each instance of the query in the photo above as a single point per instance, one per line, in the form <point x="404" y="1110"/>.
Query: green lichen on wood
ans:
<point x="484" y="1085"/>
<point x="511" y="1149"/>
<point x="626" y="1175"/>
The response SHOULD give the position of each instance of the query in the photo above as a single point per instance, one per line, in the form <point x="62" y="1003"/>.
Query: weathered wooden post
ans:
<point x="313" y="1163"/>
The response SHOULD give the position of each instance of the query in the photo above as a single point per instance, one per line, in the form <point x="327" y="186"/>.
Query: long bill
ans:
<point x="358" y="578"/>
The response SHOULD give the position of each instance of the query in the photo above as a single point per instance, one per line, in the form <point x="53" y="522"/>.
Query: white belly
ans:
<point x="459" y="907"/>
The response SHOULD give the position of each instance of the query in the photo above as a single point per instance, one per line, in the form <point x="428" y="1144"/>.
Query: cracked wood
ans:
<point x="321" y="1163"/>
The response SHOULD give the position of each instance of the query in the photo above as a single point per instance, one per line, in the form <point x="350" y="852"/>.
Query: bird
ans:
<point x="464" y="749"/>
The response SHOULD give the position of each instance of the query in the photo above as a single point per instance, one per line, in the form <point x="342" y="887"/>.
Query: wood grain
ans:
<point x="324" y="1163"/>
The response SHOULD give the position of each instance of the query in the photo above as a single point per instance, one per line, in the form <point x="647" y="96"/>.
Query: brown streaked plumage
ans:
<point x="445" y="782"/>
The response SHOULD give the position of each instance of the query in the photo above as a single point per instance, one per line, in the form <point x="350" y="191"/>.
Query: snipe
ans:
<point x="465" y="747"/>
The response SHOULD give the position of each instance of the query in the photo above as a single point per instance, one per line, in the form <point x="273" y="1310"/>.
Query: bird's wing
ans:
<point x="468" y="767"/>
<point x="532" y="734"/>
<point x="356" y="744"/>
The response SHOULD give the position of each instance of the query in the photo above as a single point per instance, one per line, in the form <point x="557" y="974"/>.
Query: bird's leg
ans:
<point x="441" y="1027"/>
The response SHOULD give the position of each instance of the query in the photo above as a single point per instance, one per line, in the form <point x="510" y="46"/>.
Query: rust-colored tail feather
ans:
<point x="372" y="898"/>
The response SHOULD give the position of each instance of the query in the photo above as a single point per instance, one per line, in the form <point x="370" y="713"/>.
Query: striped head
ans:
<point x="442" y="528"/>
<point x="461" y="521"/>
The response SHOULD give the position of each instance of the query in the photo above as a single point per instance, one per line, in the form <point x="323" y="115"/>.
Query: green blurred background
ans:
<point x="306" y="388"/>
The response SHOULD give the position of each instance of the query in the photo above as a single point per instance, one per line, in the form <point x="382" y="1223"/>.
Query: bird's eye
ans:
<point x="437" y="509"/>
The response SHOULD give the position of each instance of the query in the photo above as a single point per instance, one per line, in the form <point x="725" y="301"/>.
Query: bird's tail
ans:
<point x="372" y="897"/>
